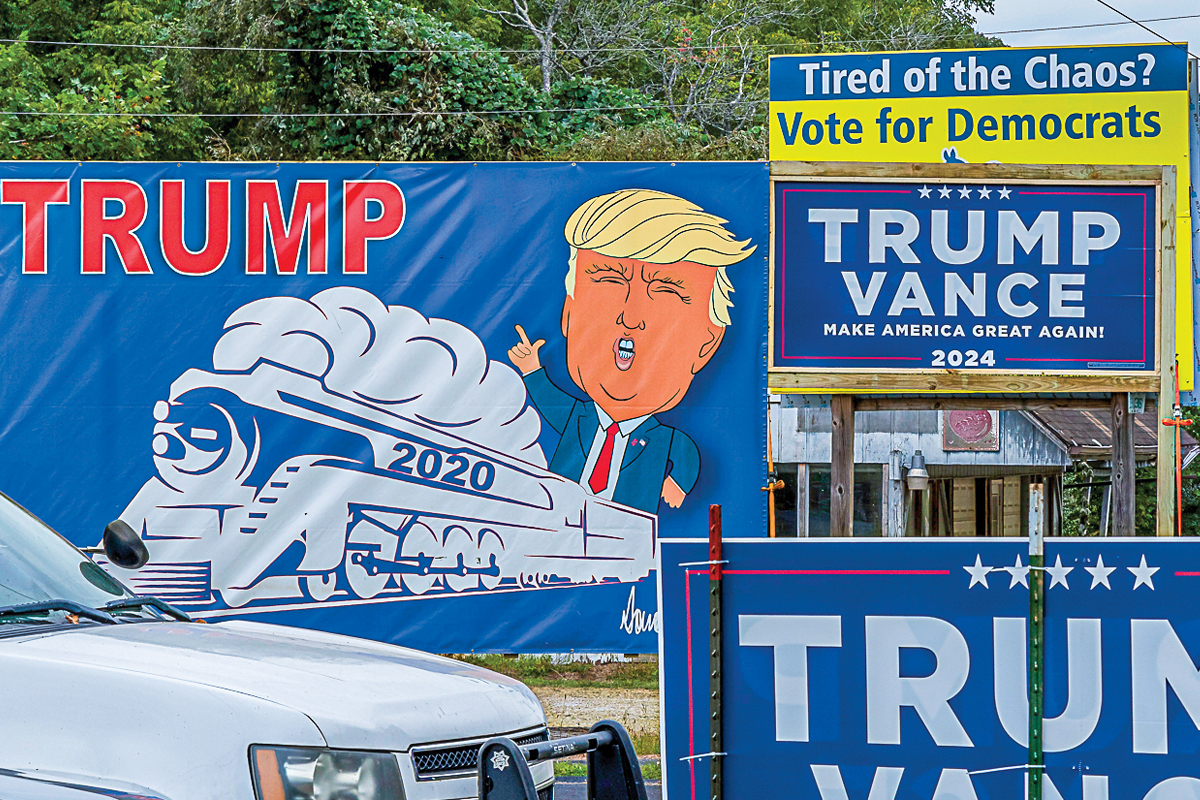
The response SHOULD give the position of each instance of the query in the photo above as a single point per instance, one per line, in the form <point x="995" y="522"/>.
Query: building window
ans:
<point x="786" y="517"/>
<point x="868" y="499"/>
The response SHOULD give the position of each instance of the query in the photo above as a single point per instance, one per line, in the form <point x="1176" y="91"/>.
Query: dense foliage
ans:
<point x="1083" y="505"/>
<point x="429" y="80"/>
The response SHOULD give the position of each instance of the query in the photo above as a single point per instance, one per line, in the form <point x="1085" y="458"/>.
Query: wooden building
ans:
<point x="980" y="464"/>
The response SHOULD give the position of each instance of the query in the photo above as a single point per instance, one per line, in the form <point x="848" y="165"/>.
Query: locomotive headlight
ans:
<point x="302" y="773"/>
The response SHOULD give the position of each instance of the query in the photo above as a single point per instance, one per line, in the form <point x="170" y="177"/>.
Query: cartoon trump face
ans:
<point x="647" y="303"/>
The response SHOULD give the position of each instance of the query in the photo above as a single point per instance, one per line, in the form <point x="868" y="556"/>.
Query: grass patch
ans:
<point x="651" y="770"/>
<point x="570" y="769"/>
<point x="645" y="744"/>
<point x="544" y="671"/>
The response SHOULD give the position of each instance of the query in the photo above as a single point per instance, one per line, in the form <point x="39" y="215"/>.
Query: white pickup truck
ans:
<point x="108" y="690"/>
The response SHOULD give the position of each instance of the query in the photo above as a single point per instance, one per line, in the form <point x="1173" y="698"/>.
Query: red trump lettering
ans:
<point x="33" y="197"/>
<point x="264" y="211"/>
<point x="98" y="227"/>
<point x="364" y="223"/>
<point x="178" y="255"/>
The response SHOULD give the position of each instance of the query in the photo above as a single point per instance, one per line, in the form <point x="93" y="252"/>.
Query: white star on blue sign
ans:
<point x="978" y="573"/>
<point x="1018" y="573"/>
<point x="1143" y="575"/>
<point x="1058" y="574"/>
<point x="1100" y="573"/>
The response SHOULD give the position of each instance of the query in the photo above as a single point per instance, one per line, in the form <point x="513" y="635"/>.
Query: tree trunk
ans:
<point x="547" y="63"/>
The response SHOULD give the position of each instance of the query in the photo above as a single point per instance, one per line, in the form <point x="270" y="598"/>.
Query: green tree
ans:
<point x="449" y="79"/>
<point x="378" y="80"/>
<point x="72" y="89"/>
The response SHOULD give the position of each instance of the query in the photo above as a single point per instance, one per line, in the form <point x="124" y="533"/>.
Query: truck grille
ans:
<point x="458" y="759"/>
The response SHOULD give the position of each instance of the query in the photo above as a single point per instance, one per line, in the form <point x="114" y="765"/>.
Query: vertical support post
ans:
<point x="1037" y="607"/>
<point x="1165" y="483"/>
<point x="841" y="479"/>
<point x="773" y="482"/>
<point x="1177" y="421"/>
<point x="1124" y="466"/>
<point x="895" y="515"/>
<point x="802" y="501"/>
<point x="714" y="641"/>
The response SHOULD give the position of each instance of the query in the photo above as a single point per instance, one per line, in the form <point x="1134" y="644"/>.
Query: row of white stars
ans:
<point x="1018" y="573"/>
<point x="965" y="192"/>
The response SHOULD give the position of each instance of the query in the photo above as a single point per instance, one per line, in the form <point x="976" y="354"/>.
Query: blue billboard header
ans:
<point x="421" y="403"/>
<point x="932" y="275"/>
<point x="974" y="73"/>
<point x="898" y="669"/>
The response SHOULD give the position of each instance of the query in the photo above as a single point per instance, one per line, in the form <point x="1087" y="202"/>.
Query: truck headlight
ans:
<point x="303" y="773"/>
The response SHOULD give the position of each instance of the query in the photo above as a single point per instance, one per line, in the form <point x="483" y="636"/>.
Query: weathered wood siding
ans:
<point x="802" y="435"/>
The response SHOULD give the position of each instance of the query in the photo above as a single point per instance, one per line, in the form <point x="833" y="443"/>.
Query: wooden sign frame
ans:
<point x="844" y="384"/>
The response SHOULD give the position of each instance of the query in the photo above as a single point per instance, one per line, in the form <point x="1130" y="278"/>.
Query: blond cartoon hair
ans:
<point x="657" y="228"/>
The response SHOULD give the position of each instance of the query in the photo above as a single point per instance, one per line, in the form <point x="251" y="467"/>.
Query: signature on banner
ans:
<point x="634" y="619"/>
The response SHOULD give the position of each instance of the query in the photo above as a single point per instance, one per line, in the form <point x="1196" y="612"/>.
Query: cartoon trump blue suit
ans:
<point x="646" y="309"/>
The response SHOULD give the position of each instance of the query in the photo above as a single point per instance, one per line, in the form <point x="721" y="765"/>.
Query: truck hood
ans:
<point x="360" y="694"/>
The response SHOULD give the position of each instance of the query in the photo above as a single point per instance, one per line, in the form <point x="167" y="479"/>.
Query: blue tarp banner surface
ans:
<point x="305" y="385"/>
<point x="897" y="669"/>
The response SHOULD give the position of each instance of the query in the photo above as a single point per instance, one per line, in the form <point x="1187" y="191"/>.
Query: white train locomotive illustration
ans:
<point x="271" y="487"/>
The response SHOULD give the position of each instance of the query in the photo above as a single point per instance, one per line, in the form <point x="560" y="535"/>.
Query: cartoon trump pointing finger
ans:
<point x="646" y="309"/>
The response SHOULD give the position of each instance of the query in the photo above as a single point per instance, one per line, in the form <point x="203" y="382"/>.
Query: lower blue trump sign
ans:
<point x="911" y="275"/>
<point x="897" y="669"/>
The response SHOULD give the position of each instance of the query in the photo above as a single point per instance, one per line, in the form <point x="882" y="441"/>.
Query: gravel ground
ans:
<point x="578" y="709"/>
<point x="572" y="711"/>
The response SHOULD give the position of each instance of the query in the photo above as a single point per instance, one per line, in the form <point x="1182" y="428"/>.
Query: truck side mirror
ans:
<point x="123" y="547"/>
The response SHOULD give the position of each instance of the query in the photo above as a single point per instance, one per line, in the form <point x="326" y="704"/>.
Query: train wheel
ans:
<point x="490" y="547"/>
<point x="459" y="541"/>
<point x="362" y="583"/>
<point x="321" y="587"/>
<point x="420" y="541"/>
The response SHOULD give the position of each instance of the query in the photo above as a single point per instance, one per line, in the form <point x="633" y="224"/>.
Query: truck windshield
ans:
<point x="37" y="564"/>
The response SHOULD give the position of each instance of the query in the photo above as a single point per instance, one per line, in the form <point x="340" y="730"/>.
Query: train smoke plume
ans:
<point x="433" y="370"/>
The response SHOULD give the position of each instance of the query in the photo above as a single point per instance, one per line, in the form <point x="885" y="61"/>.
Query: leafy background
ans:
<point x="384" y="80"/>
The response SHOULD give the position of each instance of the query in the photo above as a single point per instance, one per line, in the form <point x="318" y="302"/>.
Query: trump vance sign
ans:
<point x="896" y="670"/>
<point x="980" y="276"/>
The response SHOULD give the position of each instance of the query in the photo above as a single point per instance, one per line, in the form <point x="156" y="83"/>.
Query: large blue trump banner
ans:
<point x="897" y="670"/>
<point x="973" y="276"/>
<point x="450" y="406"/>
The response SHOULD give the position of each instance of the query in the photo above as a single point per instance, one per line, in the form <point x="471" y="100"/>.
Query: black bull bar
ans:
<point x="613" y="772"/>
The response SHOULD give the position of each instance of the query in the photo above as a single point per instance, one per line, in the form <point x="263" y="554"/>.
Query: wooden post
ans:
<point x="841" y="479"/>
<point x="1165" y="483"/>
<point x="1123" y="472"/>
<point x="895" y="505"/>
